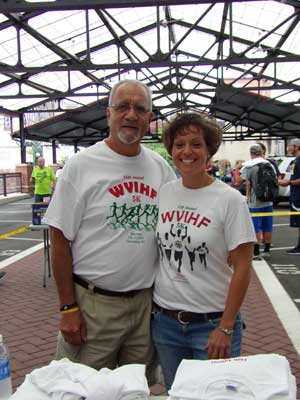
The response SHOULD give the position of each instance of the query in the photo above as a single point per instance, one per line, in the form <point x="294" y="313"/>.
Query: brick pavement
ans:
<point x="29" y="321"/>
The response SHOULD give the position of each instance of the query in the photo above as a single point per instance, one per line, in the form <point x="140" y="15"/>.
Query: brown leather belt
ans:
<point x="185" y="317"/>
<point x="95" y="289"/>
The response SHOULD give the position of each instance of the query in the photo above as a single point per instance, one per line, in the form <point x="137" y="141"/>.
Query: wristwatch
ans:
<point x="227" y="331"/>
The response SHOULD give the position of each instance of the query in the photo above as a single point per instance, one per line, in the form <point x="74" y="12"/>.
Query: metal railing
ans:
<point x="10" y="182"/>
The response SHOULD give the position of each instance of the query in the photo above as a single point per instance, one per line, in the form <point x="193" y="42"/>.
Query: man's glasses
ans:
<point x="125" y="107"/>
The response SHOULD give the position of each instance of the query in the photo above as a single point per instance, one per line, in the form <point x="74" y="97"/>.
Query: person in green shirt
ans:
<point x="43" y="179"/>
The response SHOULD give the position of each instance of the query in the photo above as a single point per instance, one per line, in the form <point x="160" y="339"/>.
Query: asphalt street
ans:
<point x="286" y="267"/>
<point x="14" y="217"/>
<point x="18" y="216"/>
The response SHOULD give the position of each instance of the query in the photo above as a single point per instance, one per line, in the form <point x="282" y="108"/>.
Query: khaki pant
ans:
<point x="118" y="332"/>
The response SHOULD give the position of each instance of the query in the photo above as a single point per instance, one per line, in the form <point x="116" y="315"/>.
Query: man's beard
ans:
<point x="129" y="139"/>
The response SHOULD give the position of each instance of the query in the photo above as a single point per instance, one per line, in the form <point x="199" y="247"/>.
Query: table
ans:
<point x="47" y="265"/>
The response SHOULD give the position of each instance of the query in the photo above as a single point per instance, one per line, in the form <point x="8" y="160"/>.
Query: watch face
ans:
<point x="226" y="330"/>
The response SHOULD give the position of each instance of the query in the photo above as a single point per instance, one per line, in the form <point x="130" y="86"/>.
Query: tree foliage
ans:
<point x="160" y="149"/>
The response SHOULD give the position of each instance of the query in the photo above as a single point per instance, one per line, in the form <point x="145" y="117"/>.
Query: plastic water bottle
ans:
<point x="5" y="379"/>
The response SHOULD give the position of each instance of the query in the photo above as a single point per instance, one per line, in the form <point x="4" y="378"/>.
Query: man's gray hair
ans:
<point x="133" y="82"/>
<point x="295" y="142"/>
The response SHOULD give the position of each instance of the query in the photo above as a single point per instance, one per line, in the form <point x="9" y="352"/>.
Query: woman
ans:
<point x="197" y="296"/>
<point x="237" y="181"/>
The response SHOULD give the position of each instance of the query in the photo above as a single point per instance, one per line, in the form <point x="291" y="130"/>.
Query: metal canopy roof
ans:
<point x="238" y="60"/>
<point x="257" y="115"/>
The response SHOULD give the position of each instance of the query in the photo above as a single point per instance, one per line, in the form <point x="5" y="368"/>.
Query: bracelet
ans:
<point x="227" y="331"/>
<point x="71" y="310"/>
<point x="66" y="307"/>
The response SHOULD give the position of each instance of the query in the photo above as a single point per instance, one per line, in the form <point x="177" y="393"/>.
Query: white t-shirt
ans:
<point x="66" y="380"/>
<point x="258" y="377"/>
<point x="196" y="230"/>
<point x="106" y="205"/>
<point x="58" y="172"/>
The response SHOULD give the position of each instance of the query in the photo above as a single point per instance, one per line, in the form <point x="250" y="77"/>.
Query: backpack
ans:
<point x="266" y="188"/>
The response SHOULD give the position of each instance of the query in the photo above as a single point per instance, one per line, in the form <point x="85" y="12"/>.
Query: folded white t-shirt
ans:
<point x="259" y="377"/>
<point x="65" y="380"/>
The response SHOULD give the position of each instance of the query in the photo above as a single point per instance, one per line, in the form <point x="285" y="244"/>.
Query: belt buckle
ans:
<point x="179" y="318"/>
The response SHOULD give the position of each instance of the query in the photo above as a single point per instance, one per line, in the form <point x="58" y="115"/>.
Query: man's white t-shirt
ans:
<point x="106" y="205"/>
<point x="196" y="230"/>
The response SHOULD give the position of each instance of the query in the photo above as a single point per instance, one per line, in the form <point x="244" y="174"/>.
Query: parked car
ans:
<point x="283" y="164"/>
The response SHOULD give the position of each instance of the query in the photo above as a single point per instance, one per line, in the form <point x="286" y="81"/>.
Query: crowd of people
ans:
<point x="153" y="268"/>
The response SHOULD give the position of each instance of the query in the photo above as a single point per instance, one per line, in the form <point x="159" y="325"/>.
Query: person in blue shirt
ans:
<point x="294" y="182"/>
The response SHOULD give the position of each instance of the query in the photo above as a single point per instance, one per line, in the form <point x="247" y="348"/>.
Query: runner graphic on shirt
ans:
<point x="191" y="253"/>
<point x="160" y="246"/>
<point x="203" y="251"/>
<point x="168" y="247"/>
<point x="178" y="242"/>
<point x="136" y="217"/>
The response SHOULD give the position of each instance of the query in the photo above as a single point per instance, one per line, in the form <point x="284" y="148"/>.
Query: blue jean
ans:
<point x="175" y="342"/>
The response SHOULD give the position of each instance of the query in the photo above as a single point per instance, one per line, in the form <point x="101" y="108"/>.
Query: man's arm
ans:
<point x="248" y="189"/>
<point x="72" y="324"/>
<point x="53" y="179"/>
<point x="287" y="182"/>
<point x="32" y="178"/>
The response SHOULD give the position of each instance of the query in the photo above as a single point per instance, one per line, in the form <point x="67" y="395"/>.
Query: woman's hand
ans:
<point x="219" y="345"/>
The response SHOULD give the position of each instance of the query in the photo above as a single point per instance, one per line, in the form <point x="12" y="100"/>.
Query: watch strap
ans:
<point x="227" y="331"/>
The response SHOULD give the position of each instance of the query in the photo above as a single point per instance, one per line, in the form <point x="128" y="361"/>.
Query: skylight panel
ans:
<point x="288" y="71"/>
<point x="9" y="90"/>
<point x="8" y="47"/>
<point x="131" y="19"/>
<point x="34" y="53"/>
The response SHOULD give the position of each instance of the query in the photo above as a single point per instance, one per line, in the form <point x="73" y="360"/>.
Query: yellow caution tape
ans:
<point x="12" y="233"/>
<point x="260" y="214"/>
<point x="274" y="213"/>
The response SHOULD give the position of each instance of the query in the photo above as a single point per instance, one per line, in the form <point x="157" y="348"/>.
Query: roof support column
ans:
<point x="54" y="160"/>
<point x="22" y="139"/>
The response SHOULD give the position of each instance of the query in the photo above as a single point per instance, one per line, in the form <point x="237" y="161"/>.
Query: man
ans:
<point x="275" y="166"/>
<point x="103" y="217"/>
<point x="263" y="225"/>
<point x="294" y="182"/>
<point x="43" y="179"/>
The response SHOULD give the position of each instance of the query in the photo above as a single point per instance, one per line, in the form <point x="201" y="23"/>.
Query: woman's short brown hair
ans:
<point x="212" y="133"/>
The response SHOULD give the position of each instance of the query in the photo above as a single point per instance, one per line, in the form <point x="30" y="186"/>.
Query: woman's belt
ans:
<point x="185" y="317"/>
<point x="96" y="289"/>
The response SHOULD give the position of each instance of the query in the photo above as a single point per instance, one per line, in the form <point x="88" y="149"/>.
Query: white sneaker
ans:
<point x="266" y="255"/>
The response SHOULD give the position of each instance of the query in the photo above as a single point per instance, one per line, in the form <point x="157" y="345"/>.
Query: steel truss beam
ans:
<point x="21" y="5"/>
<point x="19" y="13"/>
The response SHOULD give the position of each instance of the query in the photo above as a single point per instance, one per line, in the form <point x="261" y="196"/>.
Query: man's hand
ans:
<point x="73" y="328"/>
<point x="283" y="182"/>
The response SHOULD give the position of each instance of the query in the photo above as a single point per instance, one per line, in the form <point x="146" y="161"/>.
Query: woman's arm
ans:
<point x="219" y="344"/>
